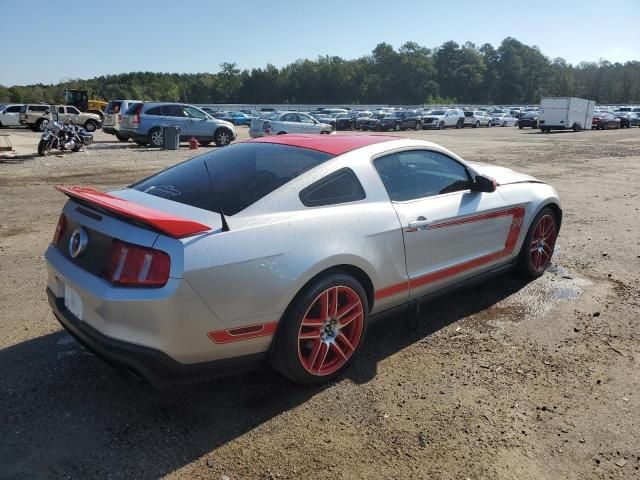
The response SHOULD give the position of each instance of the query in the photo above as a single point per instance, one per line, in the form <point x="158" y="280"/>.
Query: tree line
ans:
<point x="513" y="73"/>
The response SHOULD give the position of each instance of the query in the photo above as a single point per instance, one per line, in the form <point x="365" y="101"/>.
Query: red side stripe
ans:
<point x="243" y="333"/>
<point x="512" y="238"/>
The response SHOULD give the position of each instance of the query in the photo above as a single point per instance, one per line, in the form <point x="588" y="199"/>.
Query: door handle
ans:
<point x="419" y="224"/>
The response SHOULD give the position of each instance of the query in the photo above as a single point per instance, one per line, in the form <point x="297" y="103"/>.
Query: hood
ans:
<point x="434" y="116"/>
<point x="502" y="175"/>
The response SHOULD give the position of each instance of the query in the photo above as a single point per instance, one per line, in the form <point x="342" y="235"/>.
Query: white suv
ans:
<point x="277" y="123"/>
<point x="441" y="119"/>
<point x="10" y="116"/>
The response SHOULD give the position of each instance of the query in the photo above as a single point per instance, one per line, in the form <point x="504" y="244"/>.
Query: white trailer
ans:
<point x="559" y="113"/>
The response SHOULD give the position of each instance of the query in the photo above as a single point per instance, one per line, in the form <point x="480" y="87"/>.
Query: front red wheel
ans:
<point x="322" y="330"/>
<point x="537" y="249"/>
<point x="543" y="242"/>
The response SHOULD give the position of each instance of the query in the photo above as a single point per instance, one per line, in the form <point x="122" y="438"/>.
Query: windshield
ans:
<point x="437" y="112"/>
<point x="242" y="174"/>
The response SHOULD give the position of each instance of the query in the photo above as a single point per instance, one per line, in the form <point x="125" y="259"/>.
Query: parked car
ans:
<point x="33" y="116"/>
<point x="354" y="115"/>
<point x="370" y="123"/>
<point x="278" y="123"/>
<point x="113" y="117"/>
<point x="604" y="120"/>
<point x="10" y="115"/>
<point x="476" y="118"/>
<point x="256" y="252"/>
<point x="627" y="119"/>
<point x="241" y="118"/>
<point x="344" y="121"/>
<point x="529" y="120"/>
<point x="442" y="119"/>
<point x="144" y="121"/>
<point x="503" y="120"/>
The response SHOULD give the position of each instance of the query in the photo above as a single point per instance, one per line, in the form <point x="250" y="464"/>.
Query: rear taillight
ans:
<point x="136" y="115"/>
<point x="135" y="266"/>
<point x="266" y="126"/>
<point x="60" y="228"/>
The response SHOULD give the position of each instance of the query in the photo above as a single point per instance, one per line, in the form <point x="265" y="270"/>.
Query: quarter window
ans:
<point x="414" y="174"/>
<point x="339" y="187"/>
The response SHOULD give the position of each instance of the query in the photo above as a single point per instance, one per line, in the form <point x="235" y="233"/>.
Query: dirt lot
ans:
<point x="502" y="381"/>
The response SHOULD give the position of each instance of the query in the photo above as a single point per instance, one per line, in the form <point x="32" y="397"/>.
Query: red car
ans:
<point x="604" y="121"/>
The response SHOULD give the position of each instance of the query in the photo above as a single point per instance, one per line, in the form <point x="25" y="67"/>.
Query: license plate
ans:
<point x="72" y="301"/>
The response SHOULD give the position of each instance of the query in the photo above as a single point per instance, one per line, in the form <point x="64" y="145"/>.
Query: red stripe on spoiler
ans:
<point x="171" y="225"/>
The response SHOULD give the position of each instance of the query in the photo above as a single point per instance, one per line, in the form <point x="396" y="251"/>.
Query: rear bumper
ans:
<point x="154" y="366"/>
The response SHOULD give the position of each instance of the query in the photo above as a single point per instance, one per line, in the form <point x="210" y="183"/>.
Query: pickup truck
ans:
<point x="37" y="117"/>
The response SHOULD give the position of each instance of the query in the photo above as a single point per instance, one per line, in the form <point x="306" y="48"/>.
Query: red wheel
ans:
<point x="322" y="330"/>
<point x="330" y="330"/>
<point x="542" y="243"/>
<point x="537" y="249"/>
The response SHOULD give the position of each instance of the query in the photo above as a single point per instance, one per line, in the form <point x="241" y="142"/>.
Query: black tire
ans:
<point x="204" y="143"/>
<point x="477" y="124"/>
<point x="418" y="126"/>
<point x="286" y="353"/>
<point x="460" y="124"/>
<point x="41" y="125"/>
<point x="44" y="147"/>
<point x="520" y="127"/>
<point x="90" y="126"/>
<point x="441" y="126"/>
<point x="222" y="137"/>
<point x="155" y="137"/>
<point x="576" y="127"/>
<point x="282" y="133"/>
<point x="121" y="137"/>
<point x="396" y="127"/>
<point x="525" y="257"/>
<point x="504" y="124"/>
<point x="325" y="132"/>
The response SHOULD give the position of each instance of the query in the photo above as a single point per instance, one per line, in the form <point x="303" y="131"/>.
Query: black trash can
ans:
<point x="170" y="138"/>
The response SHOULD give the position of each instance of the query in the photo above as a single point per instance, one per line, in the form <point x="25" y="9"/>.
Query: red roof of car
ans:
<point x="332" y="144"/>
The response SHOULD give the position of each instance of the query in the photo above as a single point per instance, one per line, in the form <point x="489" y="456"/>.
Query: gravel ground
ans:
<point x="501" y="381"/>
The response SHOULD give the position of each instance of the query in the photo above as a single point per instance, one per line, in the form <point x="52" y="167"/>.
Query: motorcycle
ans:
<point x="63" y="136"/>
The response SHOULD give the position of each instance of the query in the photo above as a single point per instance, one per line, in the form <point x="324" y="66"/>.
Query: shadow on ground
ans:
<point x="64" y="413"/>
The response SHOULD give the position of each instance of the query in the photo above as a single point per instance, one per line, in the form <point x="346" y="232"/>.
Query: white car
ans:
<point x="10" y="116"/>
<point x="503" y="120"/>
<point x="278" y="123"/>
<point x="442" y="119"/>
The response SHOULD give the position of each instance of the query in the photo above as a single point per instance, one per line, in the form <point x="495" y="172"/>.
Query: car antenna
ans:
<point x="225" y="225"/>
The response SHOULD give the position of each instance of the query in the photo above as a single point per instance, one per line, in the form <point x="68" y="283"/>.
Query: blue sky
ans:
<point x="115" y="36"/>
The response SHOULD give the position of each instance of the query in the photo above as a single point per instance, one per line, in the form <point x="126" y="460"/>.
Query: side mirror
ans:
<point x="483" y="184"/>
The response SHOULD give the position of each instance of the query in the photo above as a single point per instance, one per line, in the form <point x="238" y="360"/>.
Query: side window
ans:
<point x="290" y="117"/>
<point x="339" y="187"/>
<point x="194" y="113"/>
<point x="13" y="109"/>
<point x="73" y="110"/>
<point x="154" y="111"/>
<point x="306" y="119"/>
<point x="417" y="174"/>
<point x="60" y="109"/>
<point x="172" y="111"/>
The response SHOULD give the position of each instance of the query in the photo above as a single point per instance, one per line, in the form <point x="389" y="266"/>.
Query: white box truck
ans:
<point x="559" y="113"/>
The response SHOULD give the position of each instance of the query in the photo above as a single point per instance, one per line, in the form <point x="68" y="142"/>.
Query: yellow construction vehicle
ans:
<point x="80" y="99"/>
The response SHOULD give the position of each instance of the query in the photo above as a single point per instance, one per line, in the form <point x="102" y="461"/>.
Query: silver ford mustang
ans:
<point x="283" y="249"/>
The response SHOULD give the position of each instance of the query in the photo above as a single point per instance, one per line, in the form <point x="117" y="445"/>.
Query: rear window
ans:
<point x="468" y="114"/>
<point x="242" y="174"/>
<point x="114" y="107"/>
